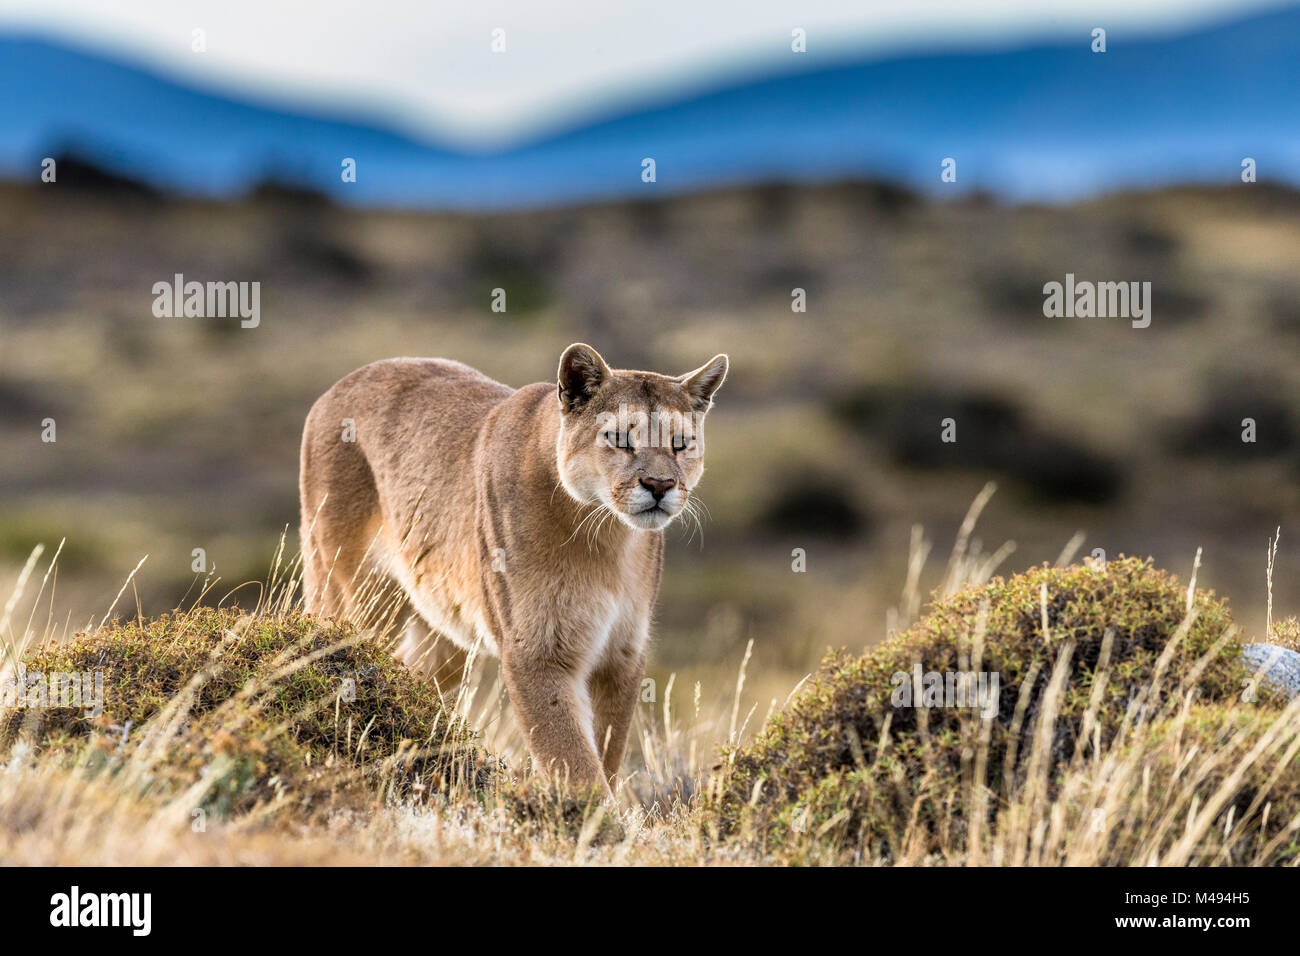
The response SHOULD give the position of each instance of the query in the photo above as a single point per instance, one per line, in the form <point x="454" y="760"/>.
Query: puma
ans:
<point x="527" y="522"/>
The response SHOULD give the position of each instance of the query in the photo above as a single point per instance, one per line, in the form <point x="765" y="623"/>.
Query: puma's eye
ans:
<point x="617" y="440"/>
<point x="680" y="443"/>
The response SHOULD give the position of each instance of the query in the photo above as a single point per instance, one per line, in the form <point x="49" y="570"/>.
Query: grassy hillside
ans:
<point x="1119" y="734"/>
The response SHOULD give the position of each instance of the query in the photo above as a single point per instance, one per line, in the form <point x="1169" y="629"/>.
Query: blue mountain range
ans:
<point x="1046" y="122"/>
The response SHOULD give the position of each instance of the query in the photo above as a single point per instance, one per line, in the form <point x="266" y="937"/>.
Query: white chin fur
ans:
<point x="646" y="521"/>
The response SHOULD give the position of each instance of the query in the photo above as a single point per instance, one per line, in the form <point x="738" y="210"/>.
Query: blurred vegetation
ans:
<point x="177" y="434"/>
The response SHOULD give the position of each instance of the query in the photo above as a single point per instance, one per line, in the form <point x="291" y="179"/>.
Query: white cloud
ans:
<point x="428" y="66"/>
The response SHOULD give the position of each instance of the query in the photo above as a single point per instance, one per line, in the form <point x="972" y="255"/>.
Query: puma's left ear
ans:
<point x="704" y="381"/>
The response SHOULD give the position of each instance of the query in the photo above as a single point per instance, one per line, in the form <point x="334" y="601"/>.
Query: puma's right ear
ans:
<point x="582" y="371"/>
<point x="704" y="381"/>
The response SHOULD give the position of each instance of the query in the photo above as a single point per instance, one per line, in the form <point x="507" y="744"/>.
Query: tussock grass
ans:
<point x="1126" y="730"/>
<point x="1118" y="736"/>
<point x="250" y="714"/>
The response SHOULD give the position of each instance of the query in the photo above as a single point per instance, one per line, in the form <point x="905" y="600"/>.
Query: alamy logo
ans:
<point x="635" y="430"/>
<point x="211" y="300"/>
<point x="39" y="690"/>
<point x="966" y="689"/>
<point x="103" y="909"/>
<point x="1102" y="300"/>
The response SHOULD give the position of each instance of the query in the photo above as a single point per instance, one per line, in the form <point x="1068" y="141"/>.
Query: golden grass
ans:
<point x="1072" y="773"/>
<point x="1122" y="734"/>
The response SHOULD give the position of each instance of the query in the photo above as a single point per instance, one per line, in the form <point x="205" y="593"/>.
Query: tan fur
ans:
<point x="505" y="517"/>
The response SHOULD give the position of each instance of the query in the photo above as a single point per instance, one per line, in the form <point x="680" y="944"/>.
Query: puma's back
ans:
<point x="358" y="448"/>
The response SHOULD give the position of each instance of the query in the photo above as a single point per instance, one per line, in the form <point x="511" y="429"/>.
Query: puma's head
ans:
<point x="632" y="441"/>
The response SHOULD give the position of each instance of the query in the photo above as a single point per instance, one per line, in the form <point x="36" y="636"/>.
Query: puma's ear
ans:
<point x="704" y="381"/>
<point x="582" y="371"/>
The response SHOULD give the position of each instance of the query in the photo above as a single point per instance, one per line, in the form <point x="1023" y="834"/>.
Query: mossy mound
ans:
<point x="852" y="762"/>
<point x="264" y="710"/>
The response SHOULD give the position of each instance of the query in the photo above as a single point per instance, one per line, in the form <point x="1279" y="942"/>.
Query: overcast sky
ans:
<point x="429" y="67"/>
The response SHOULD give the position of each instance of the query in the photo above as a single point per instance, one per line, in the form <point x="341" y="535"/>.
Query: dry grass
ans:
<point x="1120" y="734"/>
<point x="1120" y="739"/>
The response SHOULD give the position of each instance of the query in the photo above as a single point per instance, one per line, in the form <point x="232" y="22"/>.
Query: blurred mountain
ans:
<point x="1049" y="122"/>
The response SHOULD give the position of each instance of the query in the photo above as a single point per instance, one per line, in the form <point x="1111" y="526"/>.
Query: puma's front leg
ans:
<point x="552" y="706"/>
<point x="615" y="688"/>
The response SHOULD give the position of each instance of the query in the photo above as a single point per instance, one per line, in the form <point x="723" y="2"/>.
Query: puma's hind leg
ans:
<point x="433" y="656"/>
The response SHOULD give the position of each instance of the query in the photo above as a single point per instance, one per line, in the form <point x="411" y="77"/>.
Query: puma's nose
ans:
<point x="658" y="486"/>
